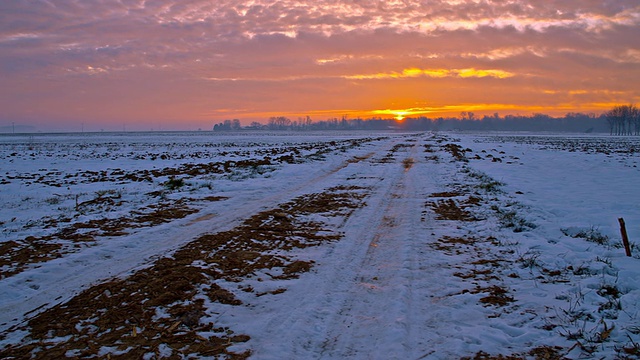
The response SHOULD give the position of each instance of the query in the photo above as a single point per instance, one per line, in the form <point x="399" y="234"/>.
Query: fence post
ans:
<point x="625" y="238"/>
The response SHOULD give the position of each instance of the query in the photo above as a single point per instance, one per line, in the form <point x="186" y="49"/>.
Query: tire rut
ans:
<point x="327" y="320"/>
<point x="379" y="307"/>
<point x="327" y="287"/>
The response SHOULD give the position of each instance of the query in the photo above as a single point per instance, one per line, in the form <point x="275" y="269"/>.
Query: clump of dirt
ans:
<point x="398" y="147"/>
<point x="547" y="353"/>
<point x="162" y="307"/>
<point x="408" y="163"/>
<point x="449" y="210"/>
<point x="497" y="296"/>
<point x="357" y="159"/>
<point x="390" y="156"/>
<point x="538" y="353"/>
<point x="293" y="269"/>
<point x="457" y="152"/>
<point x="451" y="244"/>
<point x="446" y="194"/>
<point x="481" y="355"/>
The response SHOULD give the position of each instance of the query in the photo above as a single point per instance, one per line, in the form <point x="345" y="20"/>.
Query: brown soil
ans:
<point x="456" y="151"/>
<point x="539" y="353"/>
<point x="17" y="255"/>
<point x="408" y="163"/>
<point x="496" y="295"/>
<point x="446" y="194"/>
<point x="450" y="210"/>
<point x="165" y="303"/>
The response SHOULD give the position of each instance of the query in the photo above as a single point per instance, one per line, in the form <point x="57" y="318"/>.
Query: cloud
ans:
<point x="435" y="73"/>
<point x="326" y="50"/>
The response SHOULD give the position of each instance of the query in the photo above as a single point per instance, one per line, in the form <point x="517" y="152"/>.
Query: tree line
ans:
<point x="621" y="120"/>
<point x="624" y="120"/>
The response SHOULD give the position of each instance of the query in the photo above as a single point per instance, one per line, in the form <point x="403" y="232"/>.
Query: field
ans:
<point x="373" y="245"/>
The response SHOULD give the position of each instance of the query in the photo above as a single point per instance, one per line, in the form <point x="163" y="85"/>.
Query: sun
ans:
<point x="400" y="115"/>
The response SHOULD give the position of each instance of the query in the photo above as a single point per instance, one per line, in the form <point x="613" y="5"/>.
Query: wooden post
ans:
<point x="625" y="238"/>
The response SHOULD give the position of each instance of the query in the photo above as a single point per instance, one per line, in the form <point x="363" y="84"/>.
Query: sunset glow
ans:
<point x="171" y="64"/>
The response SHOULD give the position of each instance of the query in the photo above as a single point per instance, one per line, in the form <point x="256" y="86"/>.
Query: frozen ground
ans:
<point x="303" y="246"/>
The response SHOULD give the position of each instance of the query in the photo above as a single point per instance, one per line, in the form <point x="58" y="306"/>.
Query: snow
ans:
<point x="541" y="268"/>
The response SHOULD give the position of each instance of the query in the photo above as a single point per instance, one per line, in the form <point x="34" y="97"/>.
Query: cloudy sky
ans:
<point x="186" y="64"/>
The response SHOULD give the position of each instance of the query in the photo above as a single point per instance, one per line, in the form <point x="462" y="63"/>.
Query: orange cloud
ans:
<point x="251" y="59"/>
<point x="455" y="109"/>
<point x="435" y="73"/>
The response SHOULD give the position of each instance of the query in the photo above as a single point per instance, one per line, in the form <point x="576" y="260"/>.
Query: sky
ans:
<point x="188" y="64"/>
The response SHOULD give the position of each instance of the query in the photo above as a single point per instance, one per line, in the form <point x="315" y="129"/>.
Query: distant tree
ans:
<point x="633" y="120"/>
<point x="636" y="121"/>
<point x="344" y="122"/>
<point x="624" y="120"/>
<point x="255" y="126"/>
<point x="279" y="123"/>
<point x="629" y="117"/>
<point x="227" y="125"/>
<point x="467" y="115"/>
<point x="571" y="122"/>
<point x="611" y="121"/>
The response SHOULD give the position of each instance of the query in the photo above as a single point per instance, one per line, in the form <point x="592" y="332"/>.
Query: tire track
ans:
<point x="376" y="319"/>
<point x="338" y="305"/>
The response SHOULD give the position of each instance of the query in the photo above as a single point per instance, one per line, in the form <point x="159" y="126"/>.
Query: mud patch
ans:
<point x="446" y="194"/>
<point x="449" y="209"/>
<point x="496" y="296"/>
<point x="451" y="245"/>
<point x="408" y="163"/>
<point x="15" y="256"/>
<point x="458" y="153"/>
<point x="172" y="305"/>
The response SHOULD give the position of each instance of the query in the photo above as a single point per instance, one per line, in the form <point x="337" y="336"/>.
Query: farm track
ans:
<point x="385" y="275"/>
<point x="319" y="330"/>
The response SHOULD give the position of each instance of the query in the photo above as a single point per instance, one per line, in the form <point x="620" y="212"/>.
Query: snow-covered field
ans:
<point x="319" y="245"/>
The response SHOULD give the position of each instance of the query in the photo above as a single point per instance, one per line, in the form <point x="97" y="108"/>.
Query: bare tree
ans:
<point x="635" y="116"/>
<point x="255" y="125"/>
<point x="279" y="123"/>
<point x="624" y="120"/>
<point x="615" y="118"/>
<point x="467" y="115"/>
<point x="611" y="120"/>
